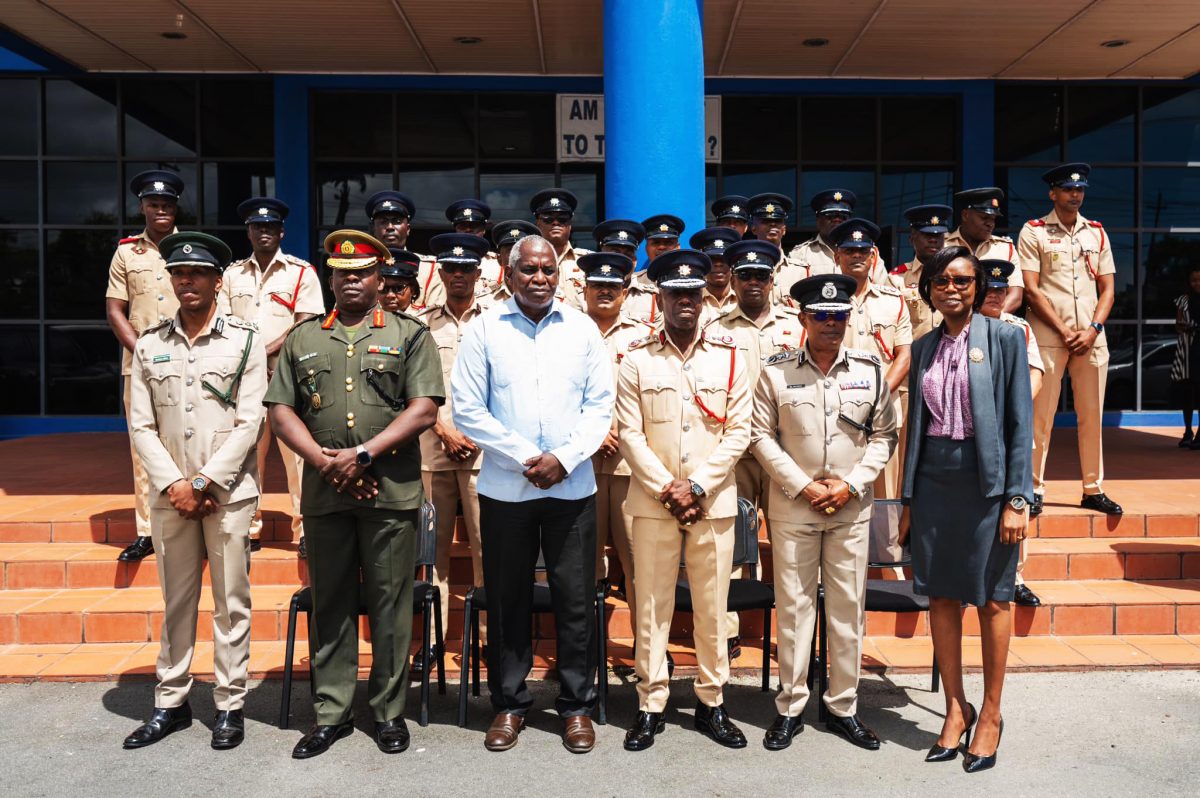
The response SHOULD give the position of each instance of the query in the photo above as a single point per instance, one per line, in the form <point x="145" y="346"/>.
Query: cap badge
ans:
<point x="685" y="270"/>
<point x="837" y="196"/>
<point x="385" y="204"/>
<point x="263" y="211"/>
<point x="828" y="291"/>
<point x="719" y="244"/>
<point x="995" y="202"/>
<point x="735" y="208"/>
<point x="554" y="200"/>
<point x="1074" y="175"/>
<point x="513" y="233"/>
<point x="857" y="235"/>
<point x="159" y="185"/>
<point x="622" y="235"/>
<point x="770" y="207"/>
<point x="187" y="249"/>
<point x="466" y="211"/>
<point x="347" y="247"/>
<point x="935" y="220"/>
<point x="663" y="228"/>
<point x="457" y="250"/>
<point x="996" y="272"/>
<point x="976" y="355"/>
<point x="606" y="269"/>
<point x="751" y="256"/>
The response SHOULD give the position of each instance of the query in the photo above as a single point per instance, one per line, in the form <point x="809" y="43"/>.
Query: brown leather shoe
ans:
<point x="502" y="734"/>
<point x="579" y="736"/>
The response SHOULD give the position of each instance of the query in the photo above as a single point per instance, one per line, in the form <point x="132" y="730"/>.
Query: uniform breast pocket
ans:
<point x="660" y="402"/>
<point x="166" y="383"/>
<point x="218" y="372"/>
<point x="312" y="376"/>
<point x="280" y="304"/>
<point x="856" y="406"/>
<point x="798" y="411"/>
<point x="140" y="279"/>
<point x="714" y="402"/>
<point x="383" y="380"/>
<point x="241" y="304"/>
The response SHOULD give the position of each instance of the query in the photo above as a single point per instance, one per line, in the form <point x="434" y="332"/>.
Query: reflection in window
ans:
<point x="19" y="133"/>
<point x="433" y="189"/>
<point x="19" y="276"/>
<point x="342" y="191"/>
<point x="81" y="193"/>
<point x="905" y="187"/>
<point x="185" y="216"/>
<point x="516" y="125"/>
<point x="77" y="264"/>
<point x="1028" y="123"/>
<point x="1101" y="123"/>
<point x="1120" y="391"/>
<point x="584" y="184"/>
<point x="1159" y="343"/>
<point x="1171" y="197"/>
<point x="19" y="368"/>
<point x="160" y="117"/>
<point x="19" y="199"/>
<point x="83" y="370"/>
<point x="509" y="194"/>
<point x="1166" y="260"/>
<point x="227" y="183"/>
<point x="1124" y="253"/>
<point x="1170" y="124"/>
<point x="1027" y="196"/>
<point x="751" y="180"/>
<point x="81" y="117"/>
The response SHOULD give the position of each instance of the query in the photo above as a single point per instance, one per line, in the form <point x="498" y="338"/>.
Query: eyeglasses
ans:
<point x="942" y="282"/>
<point x="826" y="315"/>
<point x="753" y="275"/>
<point x="395" y="289"/>
<point x="530" y="271"/>
<point x="458" y="268"/>
<point x="552" y="218"/>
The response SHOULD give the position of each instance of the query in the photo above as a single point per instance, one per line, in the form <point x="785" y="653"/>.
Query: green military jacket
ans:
<point x="347" y="386"/>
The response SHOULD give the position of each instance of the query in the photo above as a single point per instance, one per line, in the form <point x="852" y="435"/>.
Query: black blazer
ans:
<point x="1001" y="407"/>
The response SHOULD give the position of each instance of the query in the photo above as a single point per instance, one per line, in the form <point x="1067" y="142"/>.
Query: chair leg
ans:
<point x="426" y="656"/>
<point x="935" y="686"/>
<point x="464" y="672"/>
<point x="766" y="664"/>
<point x="602" y="656"/>
<point x="476" y="652"/>
<point x="439" y="638"/>
<point x="285" y="700"/>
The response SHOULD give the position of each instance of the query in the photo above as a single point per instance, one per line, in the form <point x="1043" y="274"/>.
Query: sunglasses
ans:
<point x="552" y="218"/>
<point x="826" y="315"/>
<point x="753" y="275"/>
<point x="395" y="289"/>
<point x="458" y="268"/>
<point x="942" y="282"/>
<point x="530" y="271"/>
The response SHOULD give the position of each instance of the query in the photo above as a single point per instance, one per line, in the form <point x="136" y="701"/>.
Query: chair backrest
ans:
<point x="745" y="535"/>
<point x="883" y="551"/>
<point x="426" y="535"/>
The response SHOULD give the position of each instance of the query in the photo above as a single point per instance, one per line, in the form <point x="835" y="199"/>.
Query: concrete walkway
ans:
<point x="1067" y="734"/>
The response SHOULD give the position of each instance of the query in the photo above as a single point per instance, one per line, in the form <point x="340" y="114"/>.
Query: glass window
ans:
<point x="920" y="129"/>
<point x="1028" y="123"/>
<point x="516" y="125"/>
<point x="239" y="244"/>
<point x="1027" y="196"/>
<point x="585" y="182"/>
<point x="342" y="191"/>
<point x="81" y="117"/>
<point x="904" y="187"/>
<point x="19" y="277"/>
<point x="19" y="133"/>
<point x="838" y="129"/>
<point x="1166" y="261"/>
<point x="368" y="136"/>
<point x="1100" y="123"/>
<point x="508" y="190"/>
<point x="1124" y="252"/>
<point x="1159" y="345"/>
<point x="1108" y="197"/>
<point x="19" y="368"/>
<point x="710" y="193"/>
<point x="758" y="128"/>
<point x="83" y="371"/>
<point x="1170" y="197"/>
<point x="19" y="199"/>
<point x="434" y="188"/>
<point x="1170" y="124"/>
<point x="435" y="125"/>
<point x="237" y="117"/>
<point x="77" y="263"/>
<point x="186" y="214"/>
<point x="860" y="181"/>
<point x="751" y="180"/>
<point x="1120" y="392"/>
<point x="160" y="117"/>
<point x="81" y="193"/>
<point x="227" y="183"/>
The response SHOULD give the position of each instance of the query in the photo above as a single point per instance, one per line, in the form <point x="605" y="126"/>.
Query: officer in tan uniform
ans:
<point x="625" y="236"/>
<point x="139" y="296"/>
<point x="471" y="216"/>
<point x="760" y="329"/>
<point x="718" y="291"/>
<point x="198" y="382"/>
<point x="879" y="324"/>
<point x="732" y="211"/>
<point x="830" y="207"/>
<point x="976" y="232"/>
<point x="505" y="236"/>
<point x="1068" y="270"/>
<point x="274" y="291"/>
<point x="554" y="211"/>
<point x="449" y="460"/>
<point x="606" y="291"/>
<point x="998" y="271"/>
<point x="391" y="214"/>
<point x="768" y="222"/>
<point x="823" y="428"/>
<point x="683" y="418"/>
<point x="400" y="286"/>
<point x="927" y="234"/>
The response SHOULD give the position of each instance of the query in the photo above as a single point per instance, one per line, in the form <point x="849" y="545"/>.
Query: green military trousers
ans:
<point x="381" y="545"/>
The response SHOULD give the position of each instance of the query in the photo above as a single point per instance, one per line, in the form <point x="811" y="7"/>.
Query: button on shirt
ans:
<point x="522" y="388"/>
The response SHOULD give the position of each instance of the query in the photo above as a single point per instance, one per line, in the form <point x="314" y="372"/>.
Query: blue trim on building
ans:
<point x="977" y="133"/>
<point x="293" y="162"/>
<point x="14" y="62"/>
<point x="18" y="54"/>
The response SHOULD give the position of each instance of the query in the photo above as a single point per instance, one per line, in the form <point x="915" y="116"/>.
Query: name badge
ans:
<point x="797" y="385"/>
<point x="383" y="350"/>
<point x="303" y="358"/>
<point x="161" y="358"/>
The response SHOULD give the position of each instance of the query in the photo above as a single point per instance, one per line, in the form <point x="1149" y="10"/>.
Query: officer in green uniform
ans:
<point x="352" y="392"/>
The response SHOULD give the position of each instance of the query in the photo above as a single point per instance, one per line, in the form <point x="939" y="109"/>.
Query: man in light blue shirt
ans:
<point x="533" y="388"/>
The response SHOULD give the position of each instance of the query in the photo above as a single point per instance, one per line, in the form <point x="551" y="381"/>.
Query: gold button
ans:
<point x="311" y="372"/>
<point x="349" y="387"/>
<point x="350" y="351"/>
<point x="350" y="423"/>
<point x="349" y="416"/>
<point x="349" y="380"/>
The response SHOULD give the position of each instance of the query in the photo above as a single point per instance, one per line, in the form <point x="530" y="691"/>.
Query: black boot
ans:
<point x="161" y="723"/>
<point x="641" y="734"/>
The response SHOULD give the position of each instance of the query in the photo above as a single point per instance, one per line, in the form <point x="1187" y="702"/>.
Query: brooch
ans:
<point x="976" y="355"/>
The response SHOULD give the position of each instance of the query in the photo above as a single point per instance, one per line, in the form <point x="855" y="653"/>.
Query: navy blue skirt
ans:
<point x="955" y="532"/>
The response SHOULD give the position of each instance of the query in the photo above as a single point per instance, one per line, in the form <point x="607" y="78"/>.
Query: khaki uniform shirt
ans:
<point x="180" y="427"/>
<point x="325" y="374"/>
<point x="879" y="322"/>
<point x="1032" y="352"/>
<point x="713" y="307"/>
<point x="683" y="415"/>
<point x="272" y="298"/>
<point x="800" y="435"/>
<point x="138" y="275"/>
<point x="447" y="332"/>
<point x="641" y="303"/>
<point x="779" y="331"/>
<point x="1069" y="261"/>
<point x="905" y="278"/>
<point x="571" y="277"/>
<point x="811" y="257"/>
<point x="618" y="338"/>
<point x="1000" y="247"/>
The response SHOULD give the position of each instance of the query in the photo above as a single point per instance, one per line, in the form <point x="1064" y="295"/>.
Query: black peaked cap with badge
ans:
<point x="985" y="200"/>
<point x="404" y="264"/>
<point x="390" y="202"/>
<point x="824" y="292"/>
<point x="619" y="233"/>
<point x="156" y="183"/>
<point x="833" y="200"/>
<point x="511" y="231"/>
<point x="854" y="234"/>
<point x="998" y="271"/>
<point x="1068" y="175"/>
<point x="606" y="267"/>
<point x="554" y="200"/>
<point x="770" y="205"/>
<point x="462" y="248"/>
<point x="753" y="254"/>
<point x="195" y="249"/>
<point x="468" y="210"/>
<point x="680" y="269"/>
<point x="263" y="210"/>
<point x="931" y="219"/>
<point x="731" y="206"/>
<point x="663" y="225"/>
<point x="713" y="241"/>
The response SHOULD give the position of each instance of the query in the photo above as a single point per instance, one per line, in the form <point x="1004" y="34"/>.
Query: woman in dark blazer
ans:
<point x="967" y="486"/>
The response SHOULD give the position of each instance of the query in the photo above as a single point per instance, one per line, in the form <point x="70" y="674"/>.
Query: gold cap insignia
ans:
<point x="347" y="247"/>
<point x="159" y="185"/>
<point x="995" y="202"/>
<point x="935" y="220"/>
<point x="513" y="233"/>
<point x="735" y="208"/>
<point x="719" y="244"/>
<point x="857" y="235"/>
<point x="385" y="204"/>
<point x="554" y="200"/>
<point x="457" y="250"/>
<point x="685" y="270"/>
<point x="837" y="196"/>
<point x="466" y="211"/>
<point x="662" y="228"/>
<point x="770" y="207"/>
<point x="828" y="291"/>
<point x="622" y="235"/>
<point x="263" y="211"/>
<point x="1074" y="175"/>
<point x="976" y="355"/>
<point x="606" y="269"/>
<point x="751" y="256"/>
<point x="187" y="249"/>
<point x="996" y="272"/>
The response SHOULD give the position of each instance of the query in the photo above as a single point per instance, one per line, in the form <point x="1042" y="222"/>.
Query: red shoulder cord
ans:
<point x="329" y="320"/>
<point x="700" y="402"/>
<point x="377" y="317"/>
<point x="887" y="353"/>
<point x="295" y="294"/>
<point x="1086" y="258"/>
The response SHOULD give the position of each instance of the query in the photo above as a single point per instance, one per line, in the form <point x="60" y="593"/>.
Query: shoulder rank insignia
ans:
<point x="130" y="240"/>
<point x="638" y="343"/>
<point x="1005" y="239"/>
<point x="901" y="269"/>
<point x="885" y="288"/>
<point x="1036" y="223"/>
<point x="374" y="349"/>
<point x="238" y="321"/>
<point x="297" y="261"/>
<point x="157" y="327"/>
<point x="780" y="357"/>
<point x="720" y="340"/>
<point x="859" y="354"/>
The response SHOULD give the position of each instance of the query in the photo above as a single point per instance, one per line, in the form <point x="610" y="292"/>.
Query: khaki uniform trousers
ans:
<point x="180" y="546"/>
<point x="446" y="489"/>
<point x="293" y="467"/>
<point x="613" y="525"/>
<point x="833" y="555"/>
<point x="141" y="481"/>
<point x="708" y="557"/>
<point x="753" y="484"/>
<point x="890" y="482"/>
<point x="1089" y="373"/>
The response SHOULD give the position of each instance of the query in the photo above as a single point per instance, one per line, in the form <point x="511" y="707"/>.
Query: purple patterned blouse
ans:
<point x="947" y="389"/>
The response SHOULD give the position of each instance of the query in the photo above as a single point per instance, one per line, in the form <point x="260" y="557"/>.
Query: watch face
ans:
<point x="198" y="483"/>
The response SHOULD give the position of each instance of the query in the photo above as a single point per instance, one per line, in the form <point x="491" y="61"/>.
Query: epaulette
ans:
<point x="426" y="258"/>
<point x="887" y="289"/>
<point x="306" y="321"/>
<point x="719" y="340"/>
<point x="413" y="319"/>
<point x="238" y="263"/>
<point x="638" y="343"/>
<point x="130" y="240"/>
<point x="156" y="327"/>
<point x="581" y="251"/>
<point x="238" y="321"/>
<point x="297" y="261"/>
<point x="1036" y="223"/>
<point x="780" y="357"/>
<point x="1094" y="223"/>
<point x="859" y="354"/>
<point x="1005" y="239"/>
<point x="788" y="310"/>
<point x="901" y="269"/>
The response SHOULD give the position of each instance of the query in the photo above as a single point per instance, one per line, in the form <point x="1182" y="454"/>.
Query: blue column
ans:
<point x="654" y="109"/>
<point x="978" y="134"/>
<point x="292" y="164"/>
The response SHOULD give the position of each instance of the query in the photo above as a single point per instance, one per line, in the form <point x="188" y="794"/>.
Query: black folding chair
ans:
<point x="882" y="595"/>
<point x="476" y="602"/>
<point x="745" y="594"/>
<point x="427" y="601"/>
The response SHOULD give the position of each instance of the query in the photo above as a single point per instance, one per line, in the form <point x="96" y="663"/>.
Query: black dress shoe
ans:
<point x="229" y="730"/>
<point x="415" y="671"/>
<point x="1186" y="441"/>
<point x="302" y="550"/>
<point x="939" y="754"/>
<point x="1035" y="509"/>
<point x="779" y="735"/>
<point x="641" y="734"/>
<point x="1101" y="504"/>
<point x="392" y="736"/>
<point x="1024" y="597"/>
<point x="853" y="730"/>
<point x="255" y="545"/>
<point x="320" y="739"/>
<point x="713" y="722"/>
<point x="136" y="551"/>
<point x="735" y="648"/>
<point x="161" y="723"/>
<point x="973" y="763"/>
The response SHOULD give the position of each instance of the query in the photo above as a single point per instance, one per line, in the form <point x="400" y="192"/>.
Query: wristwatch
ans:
<point x="853" y="491"/>
<point x="697" y="490"/>
<point x="199" y="483"/>
<point x="1097" y="326"/>
<point x="362" y="456"/>
<point x="1018" y="503"/>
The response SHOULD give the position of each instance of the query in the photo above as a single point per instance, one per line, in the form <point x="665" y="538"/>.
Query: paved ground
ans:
<point x="1085" y="734"/>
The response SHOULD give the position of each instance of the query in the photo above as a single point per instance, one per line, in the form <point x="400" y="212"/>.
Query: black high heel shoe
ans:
<point x="939" y="754"/>
<point x="973" y="763"/>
